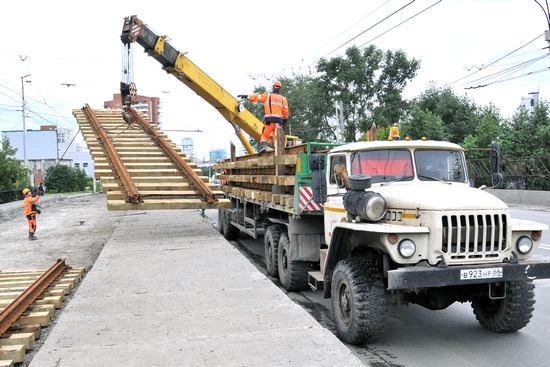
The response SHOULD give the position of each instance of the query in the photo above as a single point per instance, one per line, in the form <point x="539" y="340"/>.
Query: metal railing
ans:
<point x="520" y="173"/>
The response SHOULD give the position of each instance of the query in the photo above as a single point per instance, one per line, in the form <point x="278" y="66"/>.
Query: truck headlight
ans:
<point x="524" y="244"/>
<point x="367" y="205"/>
<point x="406" y="248"/>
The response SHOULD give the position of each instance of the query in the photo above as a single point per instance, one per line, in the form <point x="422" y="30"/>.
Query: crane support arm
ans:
<point x="177" y="64"/>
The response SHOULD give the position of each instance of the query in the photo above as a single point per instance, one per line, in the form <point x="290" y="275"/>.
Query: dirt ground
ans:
<point x="74" y="227"/>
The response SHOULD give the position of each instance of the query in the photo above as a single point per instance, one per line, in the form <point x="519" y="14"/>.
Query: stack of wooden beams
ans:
<point x="255" y="179"/>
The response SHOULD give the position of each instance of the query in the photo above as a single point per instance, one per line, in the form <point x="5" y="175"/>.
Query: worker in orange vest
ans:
<point x="275" y="110"/>
<point x="30" y="210"/>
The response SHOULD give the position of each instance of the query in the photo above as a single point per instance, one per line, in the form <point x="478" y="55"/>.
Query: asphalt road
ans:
<point x="416" y="336"/>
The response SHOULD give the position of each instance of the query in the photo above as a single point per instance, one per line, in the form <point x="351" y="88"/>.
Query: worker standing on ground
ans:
<point x="275" y="110"/>
<point x="29" y="207"/>
<point x="41" y="189"/>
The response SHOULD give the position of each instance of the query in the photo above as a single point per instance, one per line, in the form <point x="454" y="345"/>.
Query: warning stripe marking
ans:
<point x="306" y="200"/>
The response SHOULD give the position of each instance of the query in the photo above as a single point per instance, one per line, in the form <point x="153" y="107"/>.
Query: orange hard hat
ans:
<point x="25" y="191"/>
<point x="277" y="85"/>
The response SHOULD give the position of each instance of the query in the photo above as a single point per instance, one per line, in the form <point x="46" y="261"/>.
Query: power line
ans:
<point x="546" y="12"/>
<point x="406" y="20"/>
<point x="497" y="60"/>
<point x="354" y="24"/>
<point x="509" y="70"/>
<point x="371" y="27"/>
<point x="366" y="30"/>
<point x="516" y="77"/>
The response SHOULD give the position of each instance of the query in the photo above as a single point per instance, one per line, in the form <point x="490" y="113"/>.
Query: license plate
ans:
<point x="485" y="273"/>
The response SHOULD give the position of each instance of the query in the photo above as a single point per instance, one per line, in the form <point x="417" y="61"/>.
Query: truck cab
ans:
<point x="403" y="225"/>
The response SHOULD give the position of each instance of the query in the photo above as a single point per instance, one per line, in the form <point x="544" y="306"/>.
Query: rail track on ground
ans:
<point x="28" y="301"/>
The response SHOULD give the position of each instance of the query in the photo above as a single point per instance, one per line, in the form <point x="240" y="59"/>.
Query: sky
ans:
<point x="458" y="42"/>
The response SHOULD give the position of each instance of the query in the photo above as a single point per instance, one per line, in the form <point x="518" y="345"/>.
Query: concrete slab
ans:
<point x="168" y="290"/>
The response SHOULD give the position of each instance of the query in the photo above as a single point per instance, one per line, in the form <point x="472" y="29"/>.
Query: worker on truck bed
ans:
<point x="29" y="207"/>
<point x="275" y="110"/>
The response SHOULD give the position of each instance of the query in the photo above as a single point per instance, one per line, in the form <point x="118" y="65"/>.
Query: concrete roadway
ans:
<point x="166" y="290"/>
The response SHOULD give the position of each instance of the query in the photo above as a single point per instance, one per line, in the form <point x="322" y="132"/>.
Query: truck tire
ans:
<point x="358" y="301"/>
<point x="510" y="313"/>
<point x="221" y="221"/>
<point x="230" y="232"/>
<point x="271" y="245"/>
<point x="292" y="274"/>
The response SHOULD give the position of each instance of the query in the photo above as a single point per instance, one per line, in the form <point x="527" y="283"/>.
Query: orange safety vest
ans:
<point x="27" y="204"/>
<point x="275" y="106"/>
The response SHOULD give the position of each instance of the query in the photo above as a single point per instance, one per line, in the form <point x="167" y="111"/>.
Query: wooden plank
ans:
<point x="36" y="329"/>
<point x="16" y="353"/>
<point x="26" y="339"/>
<point x="37" y="308"/>
<point x="42" y="308"/>
<point x="57" y="301"/>
<point x="43" y="318"/>
<point x="75" y="272"/>
<point x="168" y="204"/>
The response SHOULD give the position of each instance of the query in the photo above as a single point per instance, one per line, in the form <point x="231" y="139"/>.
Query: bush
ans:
<point x="62" y="178"/>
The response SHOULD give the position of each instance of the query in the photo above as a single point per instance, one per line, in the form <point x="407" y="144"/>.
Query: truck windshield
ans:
<point x="383" y="165"/>
<point x="438" y="164"/>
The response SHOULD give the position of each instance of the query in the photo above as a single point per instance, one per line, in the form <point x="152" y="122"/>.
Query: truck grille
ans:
<point x="474" y="236"/>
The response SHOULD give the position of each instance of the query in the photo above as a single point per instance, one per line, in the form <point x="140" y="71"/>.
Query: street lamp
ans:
<point x="24" y="125"/>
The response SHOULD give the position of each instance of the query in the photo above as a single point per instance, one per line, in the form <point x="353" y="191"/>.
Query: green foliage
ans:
<point x="369" y="83"/>
<point x="458" y="114"/>
<point x="12" y="173"/>
<point x="310" y="118"/>
<point x="62" y="178"/>
<point x="422" y="124"/>
<point x="527" y="134"/>
<point x="487" y="131"/>
<point x="517" y="135"/>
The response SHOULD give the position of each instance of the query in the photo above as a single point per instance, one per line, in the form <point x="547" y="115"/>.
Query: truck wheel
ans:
<point x="271" y="244"/>
<point x="230" y="232"/>
<point x="221" y="220"/>
<point x="358" y="301"/>
<point x="510" y="313"/>
<point x="292" y="274"/>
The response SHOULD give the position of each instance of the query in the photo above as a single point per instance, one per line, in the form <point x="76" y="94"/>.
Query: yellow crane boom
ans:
<point x="176" y="63"/>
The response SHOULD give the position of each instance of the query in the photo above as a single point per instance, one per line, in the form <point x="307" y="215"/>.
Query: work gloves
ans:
<point x="244" y="96"/>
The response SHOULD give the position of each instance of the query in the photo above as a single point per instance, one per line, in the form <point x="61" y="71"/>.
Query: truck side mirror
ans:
<point x="319" y="186"/>
<point x="317" y="162"/>
<point x="494" y="157"/>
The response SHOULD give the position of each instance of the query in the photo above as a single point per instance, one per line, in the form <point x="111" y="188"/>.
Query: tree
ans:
<point x="540" y="120"/>
<point x="393" y="79"/>
<point x="458" y="114"/>
<point x="419" y="124"/>
<point x="62" y="178"/>
<point x="517" y="135"/>
<point x="369" y="83"/>
<point x="487" y="131"/>
<point x="12" y="173"/>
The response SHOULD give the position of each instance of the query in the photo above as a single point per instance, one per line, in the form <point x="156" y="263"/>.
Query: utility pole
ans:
<point x="24" y="113"/>
<point x="342" y="132"/>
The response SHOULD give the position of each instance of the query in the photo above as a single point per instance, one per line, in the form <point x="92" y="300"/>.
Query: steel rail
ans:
<point x="129" y="185"/>
<point x="15" y="309"/>
<point x="199" y="185"/>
